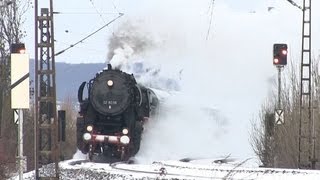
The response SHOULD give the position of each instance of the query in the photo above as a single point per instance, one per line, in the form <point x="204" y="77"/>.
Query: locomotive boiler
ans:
<point x="111" y="117"/>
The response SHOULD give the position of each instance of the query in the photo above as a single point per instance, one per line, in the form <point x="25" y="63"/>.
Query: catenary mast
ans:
<point x="46" y="125"/>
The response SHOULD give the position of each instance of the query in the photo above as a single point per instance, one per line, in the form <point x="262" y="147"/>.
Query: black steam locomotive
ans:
<point x="112" y="115"/>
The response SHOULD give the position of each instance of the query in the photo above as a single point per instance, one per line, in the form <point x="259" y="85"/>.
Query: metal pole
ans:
<point x="46" y="146"/>
<point x="313" y="160"/>
<point x="20" y="143"/>
<point x="36" y="88"/>
<point x="55" y="129"/>
<point x="279" y="86"/>
<point x="305" y="119"/>
<point x="276" y="139"/>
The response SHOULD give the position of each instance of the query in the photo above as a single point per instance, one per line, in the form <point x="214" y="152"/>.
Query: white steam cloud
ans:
<point x="183" y="130"/>
<point x="229" y="71"/>
<point x="185" y="123"/>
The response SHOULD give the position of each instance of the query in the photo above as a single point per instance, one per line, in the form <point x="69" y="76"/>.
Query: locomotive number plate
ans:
<point x="110" y="102"/>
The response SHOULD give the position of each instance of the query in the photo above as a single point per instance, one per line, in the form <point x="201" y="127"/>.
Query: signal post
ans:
<point x="280" y="52"/>
<point x="19" y="96"/>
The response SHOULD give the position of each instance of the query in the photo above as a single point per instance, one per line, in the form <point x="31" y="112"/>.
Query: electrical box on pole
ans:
<point x="19" y="78"/>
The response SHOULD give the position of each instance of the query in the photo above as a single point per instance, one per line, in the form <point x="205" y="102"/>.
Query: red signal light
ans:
<point x="22" y="51"/>
<point x="284" y="52"/>
<point x="18" y="48"/>
<point x="280" y="52"/>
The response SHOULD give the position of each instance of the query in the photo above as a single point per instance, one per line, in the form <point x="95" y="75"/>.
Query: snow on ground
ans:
<point x="173" y="169"/>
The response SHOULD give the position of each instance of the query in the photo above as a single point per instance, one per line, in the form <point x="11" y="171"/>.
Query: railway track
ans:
<point x="172" y="170"/>
<point x="164" y="170"/>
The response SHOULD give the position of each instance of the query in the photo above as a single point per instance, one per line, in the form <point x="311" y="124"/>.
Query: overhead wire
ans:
<point x="96" y="31"/>
<point x="295" y="4"/>
<point x="91" y="34"/>
<point x="115" y="7"/>
<point x="61" y="43"/>
<point x="95" y="8"/>
<point x="93" y="13"/>
<point x="211" y="17"/>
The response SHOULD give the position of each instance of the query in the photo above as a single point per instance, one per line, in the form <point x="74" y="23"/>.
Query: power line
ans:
<point x="93" y="13"/>
<point x="115" y="7"/>
<point x="295" y="4"/>
<point x="79" y="47"/>
<point x="98" y="12"/>
<point x="211" y="6"/>
<point x="83" y="39"/>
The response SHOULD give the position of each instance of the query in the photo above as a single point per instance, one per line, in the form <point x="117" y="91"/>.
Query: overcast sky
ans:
<point x="79" y="18"/>
<point x="232" y="63"/>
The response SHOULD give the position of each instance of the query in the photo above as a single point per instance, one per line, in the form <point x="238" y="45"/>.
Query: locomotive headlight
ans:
<point x="87" y="136"/>
<point x="89" y="128"/>
<point x="124" y="139"/>
<point x="125" y="131"/>
<point x="110" y="83"/>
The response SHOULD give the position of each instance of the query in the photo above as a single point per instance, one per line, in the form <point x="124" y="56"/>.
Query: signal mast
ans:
<point x="280" y="52"/>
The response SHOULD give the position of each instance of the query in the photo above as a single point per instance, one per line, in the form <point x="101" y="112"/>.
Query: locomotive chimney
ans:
<point x="109" y="67"/>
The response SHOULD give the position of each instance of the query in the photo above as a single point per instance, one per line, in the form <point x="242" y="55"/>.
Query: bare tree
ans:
<point x="11" y="20"/>
<point x="28" y="137"/>
<point x="68" y="148"/>
<point x="283" y="145"/>
<point x="262" y="140"/>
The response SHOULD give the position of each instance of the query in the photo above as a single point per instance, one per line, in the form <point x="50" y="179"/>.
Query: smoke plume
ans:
<point x="126" y="42"/>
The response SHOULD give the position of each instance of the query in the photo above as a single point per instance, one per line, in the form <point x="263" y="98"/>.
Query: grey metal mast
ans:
<point x="306" y="158"/>
<point x="46" y="125"/>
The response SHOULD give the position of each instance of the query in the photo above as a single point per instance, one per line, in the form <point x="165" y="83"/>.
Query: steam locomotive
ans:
<point x="111" y="117"/>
